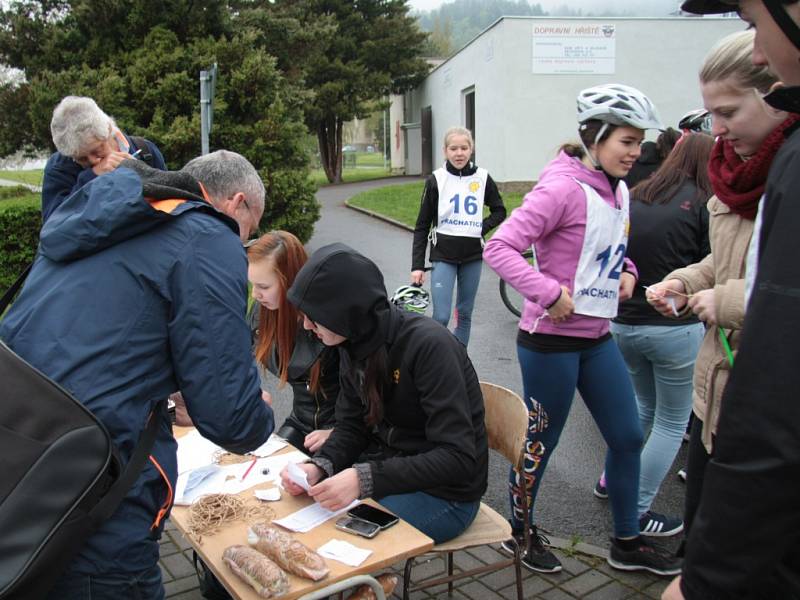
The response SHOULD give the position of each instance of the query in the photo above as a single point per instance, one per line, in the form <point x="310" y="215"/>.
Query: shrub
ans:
<point x="20" y="222"/>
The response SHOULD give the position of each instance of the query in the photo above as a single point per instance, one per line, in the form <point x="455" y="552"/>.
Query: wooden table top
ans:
<point x="390" y="546"/>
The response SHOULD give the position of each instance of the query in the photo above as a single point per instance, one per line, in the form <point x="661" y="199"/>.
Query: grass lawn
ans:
<point x="401" y="202"/>
<point x="369" y="165"/>
<point x="31" y="176"/>
<point x="26" y="200"/>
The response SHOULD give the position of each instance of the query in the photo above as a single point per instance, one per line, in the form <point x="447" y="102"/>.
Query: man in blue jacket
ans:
<point x="139" y="288"/>
<point x="88" y="144"/>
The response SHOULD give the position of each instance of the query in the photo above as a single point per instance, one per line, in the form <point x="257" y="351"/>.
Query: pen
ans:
<point x="135" y="154"/>
<point x="250" y="468"/>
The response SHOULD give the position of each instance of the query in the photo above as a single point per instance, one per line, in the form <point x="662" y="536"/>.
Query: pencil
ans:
<point x="250" y="468"/>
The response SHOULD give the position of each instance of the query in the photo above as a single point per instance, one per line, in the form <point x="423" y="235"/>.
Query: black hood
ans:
<point x="784" y="98"/>
<point x="343" y="291"/>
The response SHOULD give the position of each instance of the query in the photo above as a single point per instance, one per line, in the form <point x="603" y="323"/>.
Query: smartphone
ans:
<point x="366" y="512"/>
<point x="358" y="527"/>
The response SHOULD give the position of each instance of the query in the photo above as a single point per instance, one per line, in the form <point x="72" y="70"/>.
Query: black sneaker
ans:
<point x="538" y="557"/>
<point x="657" y="525"/>
<point x="644" y="557"/>
<point x="600" y="490"/>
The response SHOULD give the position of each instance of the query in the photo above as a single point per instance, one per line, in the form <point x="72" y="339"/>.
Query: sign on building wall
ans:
<point x="574" y="48"/>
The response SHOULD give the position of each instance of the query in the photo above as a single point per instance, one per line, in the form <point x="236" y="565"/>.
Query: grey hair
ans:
<point x="732" y="57"/>
<point x="458" y="131"/>
<point x="224" y="173"/>
<point x="77" y="122"/>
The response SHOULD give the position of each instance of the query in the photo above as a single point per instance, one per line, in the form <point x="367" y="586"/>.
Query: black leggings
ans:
<point x="695" y="473"/>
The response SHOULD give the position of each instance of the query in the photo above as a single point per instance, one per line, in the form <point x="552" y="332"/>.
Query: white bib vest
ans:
<point x="460" y="210"/>
<point x="596" y="291"/>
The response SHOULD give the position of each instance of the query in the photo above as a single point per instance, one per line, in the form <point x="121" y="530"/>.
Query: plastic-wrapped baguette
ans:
<point x="263" y="575"/>
<point x="292" y="555"/>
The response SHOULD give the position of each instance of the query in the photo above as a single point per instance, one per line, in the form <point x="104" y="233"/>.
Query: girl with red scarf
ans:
<point x="750" y="132"/>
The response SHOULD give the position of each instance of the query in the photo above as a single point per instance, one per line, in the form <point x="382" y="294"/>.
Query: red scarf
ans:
<point x="740" y="183"/>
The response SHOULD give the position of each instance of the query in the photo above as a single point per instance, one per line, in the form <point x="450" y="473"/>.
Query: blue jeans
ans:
<point x="145" y="585"/>
<point x="549" y="381"/>
<point x="443" y="280"/>
<point x="660" y="360"/>
<point x="437" y="518"/>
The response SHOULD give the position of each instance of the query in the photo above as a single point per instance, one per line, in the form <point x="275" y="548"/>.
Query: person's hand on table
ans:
<point x="338" y="491"/>
<point x="316" y="439"/>
<point x="313" y="474"/>
<point x="673" y="591"/>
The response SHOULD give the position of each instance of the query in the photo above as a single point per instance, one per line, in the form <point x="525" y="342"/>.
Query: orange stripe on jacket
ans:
<point x="166" y="206"/>
<point x="162" y="512"/>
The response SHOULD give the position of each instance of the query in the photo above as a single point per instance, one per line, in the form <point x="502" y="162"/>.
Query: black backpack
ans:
<point x="61" y="477"/>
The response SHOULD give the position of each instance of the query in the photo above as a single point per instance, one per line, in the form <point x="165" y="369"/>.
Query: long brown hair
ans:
<point x="688" y="160"/>
<point x="277" y="328"/>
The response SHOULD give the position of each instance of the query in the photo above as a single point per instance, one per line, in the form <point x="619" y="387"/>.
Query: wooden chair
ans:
<point x="506" y="428"/>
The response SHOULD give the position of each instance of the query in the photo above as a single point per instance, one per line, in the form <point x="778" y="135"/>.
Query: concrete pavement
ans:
<point x="580" y="522"/>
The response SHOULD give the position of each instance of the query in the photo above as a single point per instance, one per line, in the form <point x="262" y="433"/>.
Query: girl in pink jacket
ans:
<point x="576" y="220"/>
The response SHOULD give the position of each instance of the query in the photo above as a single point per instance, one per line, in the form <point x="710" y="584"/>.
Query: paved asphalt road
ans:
<point x="566" y="506"/>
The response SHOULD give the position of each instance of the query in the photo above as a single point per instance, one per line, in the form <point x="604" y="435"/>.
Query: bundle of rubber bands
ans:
<point x="208" y="514"/>
<point x="224" y="458"/>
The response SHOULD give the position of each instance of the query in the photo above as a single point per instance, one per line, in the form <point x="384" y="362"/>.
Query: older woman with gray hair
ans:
<point x="88" y="143"/>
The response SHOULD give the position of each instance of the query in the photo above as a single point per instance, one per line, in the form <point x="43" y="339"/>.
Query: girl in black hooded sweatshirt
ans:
<point x="410" y="409"/>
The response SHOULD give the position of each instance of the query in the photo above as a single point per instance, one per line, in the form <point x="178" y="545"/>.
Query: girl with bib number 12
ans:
<point x="576" y="217"/>
<point x="451" y="217"/>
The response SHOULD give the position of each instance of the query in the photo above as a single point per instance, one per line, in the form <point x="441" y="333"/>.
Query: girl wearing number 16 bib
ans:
<point x="451" y="217"/>
<point x="576" y="218"/>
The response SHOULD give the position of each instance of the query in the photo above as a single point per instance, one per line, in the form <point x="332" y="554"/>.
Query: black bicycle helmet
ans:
<point x="775" y="8"/>
<point x="698" y="120"/>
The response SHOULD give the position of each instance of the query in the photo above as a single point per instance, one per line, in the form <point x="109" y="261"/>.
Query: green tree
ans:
<point x="372" y="49"/>
<point x="140" y="61"/>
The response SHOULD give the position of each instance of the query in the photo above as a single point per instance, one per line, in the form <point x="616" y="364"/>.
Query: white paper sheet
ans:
<point x="309" y="517"/>
<point x="271" y="446"/>
<point x="344" y="552"/>
<point x="298" y="476"/>
<point x="270" y="495"/>
<point x="213" y="479"/>
<point x="195" y="451"/>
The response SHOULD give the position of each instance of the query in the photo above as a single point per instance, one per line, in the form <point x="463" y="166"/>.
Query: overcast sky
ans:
<point x="586" y="5"/>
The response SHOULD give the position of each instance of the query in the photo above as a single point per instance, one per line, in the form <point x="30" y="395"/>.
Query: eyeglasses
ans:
<point x="255" y="222"/>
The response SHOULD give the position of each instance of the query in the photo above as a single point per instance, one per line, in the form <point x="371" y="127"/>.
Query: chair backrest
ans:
<point x="506" y="422"/>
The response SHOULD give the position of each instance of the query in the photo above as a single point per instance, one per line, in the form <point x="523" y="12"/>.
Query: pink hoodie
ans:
<point x="553" y="218"/>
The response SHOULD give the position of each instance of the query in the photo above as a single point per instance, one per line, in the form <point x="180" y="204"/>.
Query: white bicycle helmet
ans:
<point x="618" y="104"/>
<point x="412" y="298"/>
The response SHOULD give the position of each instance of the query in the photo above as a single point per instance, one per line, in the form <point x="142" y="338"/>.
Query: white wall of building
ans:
<point x="521" y="117"/>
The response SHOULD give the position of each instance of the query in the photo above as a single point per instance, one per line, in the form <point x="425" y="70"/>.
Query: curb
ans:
<point x="555" y="542"/>
<point x="12" y="183"/>
<point x="378" y="216"/>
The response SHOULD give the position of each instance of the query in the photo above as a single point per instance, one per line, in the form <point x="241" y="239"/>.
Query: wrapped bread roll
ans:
<point x="263" y="575"/>
<point x="292" y="555"/>
<point x="388" y="582"/>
